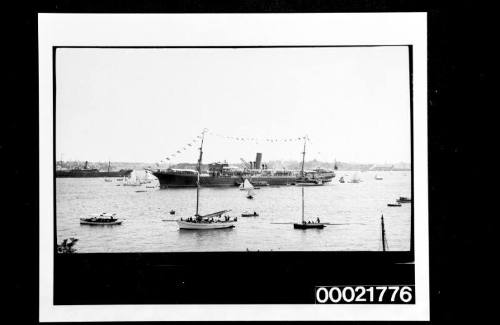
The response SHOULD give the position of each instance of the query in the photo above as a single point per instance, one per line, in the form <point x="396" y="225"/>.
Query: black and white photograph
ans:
<point x="223" y="166"/>
<point x="272" y="149"/>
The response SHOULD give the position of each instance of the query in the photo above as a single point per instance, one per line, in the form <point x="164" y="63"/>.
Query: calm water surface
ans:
<point x="355" y="207"/>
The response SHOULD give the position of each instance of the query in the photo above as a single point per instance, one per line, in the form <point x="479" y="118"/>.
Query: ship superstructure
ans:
<point x="222" y="174"/>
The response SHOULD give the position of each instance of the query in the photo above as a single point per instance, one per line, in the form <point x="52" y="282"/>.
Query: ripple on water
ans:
<point x="356" y="208"/>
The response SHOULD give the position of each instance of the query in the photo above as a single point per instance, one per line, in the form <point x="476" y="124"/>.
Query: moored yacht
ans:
<point x="216" y="220"/>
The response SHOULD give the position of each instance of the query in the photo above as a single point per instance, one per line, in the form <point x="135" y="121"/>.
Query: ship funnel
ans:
<point x="258" y="160"/>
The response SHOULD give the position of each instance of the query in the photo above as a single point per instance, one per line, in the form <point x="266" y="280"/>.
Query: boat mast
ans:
<point x="302" y="204"/>
<point x="383" y="235"/>
<point x="303" y="157"/>
<point x="109" y="165"/>
<point x="199" y="172"/>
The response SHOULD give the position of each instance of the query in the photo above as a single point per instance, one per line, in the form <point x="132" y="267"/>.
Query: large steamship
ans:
<point x="222" y="174"/>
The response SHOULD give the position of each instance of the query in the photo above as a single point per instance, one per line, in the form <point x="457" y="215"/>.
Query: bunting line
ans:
<point x="222" y="136"/>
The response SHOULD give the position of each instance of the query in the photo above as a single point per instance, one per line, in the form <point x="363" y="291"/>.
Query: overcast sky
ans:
<point x="142" y="105"/>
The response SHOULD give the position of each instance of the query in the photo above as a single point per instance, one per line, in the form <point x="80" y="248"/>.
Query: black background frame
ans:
<point x="459" y="50"/>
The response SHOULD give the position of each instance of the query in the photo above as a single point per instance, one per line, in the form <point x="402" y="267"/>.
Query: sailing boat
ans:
<point x="250" y="194"/>
<point x="132" y="180"/>
<point x="246" y="185"/>
<point x="309" y="224"/>
<point x="355" y="178"/>
<point x="303" y="180"/>
<point x="216" y="220"/>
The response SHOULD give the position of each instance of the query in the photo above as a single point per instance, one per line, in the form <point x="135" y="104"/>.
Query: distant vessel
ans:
<point x="216" y="220"/>
<point x="103" y="219"/>
<point x="309" y="224"/>
<point x="403" y="199"/>
<point x="250" y="214"/>
<point x="394" y="204"/>
<point x="246" y="185"/>
<point x="378" y="178"/>
<point x="221" y="175"/>
<point x="325" y="175"/>
<point x="355" y="178"/>
<point x="132" y="180"/>
<point x="92" y="172"/>
<point x="341" y="180"/>
<point x="148" y="177"/>
<point x="305" y="179"/>
<point x="250" y="194"/>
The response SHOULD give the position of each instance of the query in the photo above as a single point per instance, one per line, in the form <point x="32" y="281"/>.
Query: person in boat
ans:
<point x="317" y="220"/>
<point x="254" y="213"/>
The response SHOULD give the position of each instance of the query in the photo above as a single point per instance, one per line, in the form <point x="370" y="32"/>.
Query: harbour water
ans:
<point x="355" y="208"/>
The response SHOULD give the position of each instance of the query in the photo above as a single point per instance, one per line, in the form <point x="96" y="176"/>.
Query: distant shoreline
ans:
<point x="290" y="165"/>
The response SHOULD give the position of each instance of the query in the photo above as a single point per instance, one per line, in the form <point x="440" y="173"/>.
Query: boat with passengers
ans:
<point x="103" y="219"/>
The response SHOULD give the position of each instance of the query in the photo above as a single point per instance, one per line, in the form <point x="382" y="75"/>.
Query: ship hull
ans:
<point x="85" y="174"/>
<point x="173" y="180"/>
<point x="205" y="225"/>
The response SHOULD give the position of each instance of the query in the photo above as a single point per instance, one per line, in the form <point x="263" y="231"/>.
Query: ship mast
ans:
<point x="303" y="157"/>
<point x="302" y="204"/>
<point x="199" y="172"/>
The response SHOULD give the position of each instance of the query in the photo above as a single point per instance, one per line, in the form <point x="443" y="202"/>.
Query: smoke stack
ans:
<point x="258" y="160"/>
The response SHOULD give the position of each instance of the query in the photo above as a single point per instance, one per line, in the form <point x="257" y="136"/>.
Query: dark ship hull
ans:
<point x="80" y="173"/>
<point x="172" y="180"/>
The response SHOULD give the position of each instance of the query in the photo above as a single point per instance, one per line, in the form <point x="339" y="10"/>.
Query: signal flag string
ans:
<point x="244" y="139"/>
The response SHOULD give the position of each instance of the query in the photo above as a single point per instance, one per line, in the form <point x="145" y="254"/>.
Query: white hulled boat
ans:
<point x="216" y="220"/>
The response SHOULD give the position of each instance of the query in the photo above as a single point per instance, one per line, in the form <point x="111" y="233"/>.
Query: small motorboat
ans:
<point x="250" y="197"/>
<point x="108" y="180"/>
<point x="403" y="199"/>
<point x="172" y="211"/>
<point x="249" y="214"/>
<point x="394" y="204"/>
<point x="341" y="179"/>
<point x="378" y="178"/>
<point x="140" y="191"/>
<point x="103" y="219"/>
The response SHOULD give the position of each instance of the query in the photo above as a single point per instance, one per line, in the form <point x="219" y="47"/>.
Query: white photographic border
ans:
<point x="232" y="30"/>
